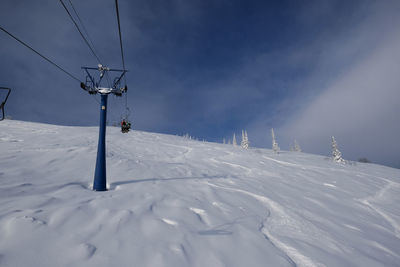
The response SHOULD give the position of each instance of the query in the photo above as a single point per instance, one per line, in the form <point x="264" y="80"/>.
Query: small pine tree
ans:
<point x="336" y="155"/>
<point x="245" y="142"/>
<point x="223" y="141"/>
<point x="296" y="146"/>
<point x="234" y="143"/>
<point x="275" y="146"/>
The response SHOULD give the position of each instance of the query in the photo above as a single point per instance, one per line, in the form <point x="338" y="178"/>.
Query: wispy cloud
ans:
<point x="358" y="103"/>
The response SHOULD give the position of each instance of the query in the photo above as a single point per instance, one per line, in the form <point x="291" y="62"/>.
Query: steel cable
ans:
<point x="122" y="56"/>
<point x="83" y="27"/>
<point x="77" y="27"/>
<point x="45" y="58"/>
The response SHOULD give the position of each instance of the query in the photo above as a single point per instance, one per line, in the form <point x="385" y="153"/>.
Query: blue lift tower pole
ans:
<point x="100" y="180"/>
<point x="93" y="87"/>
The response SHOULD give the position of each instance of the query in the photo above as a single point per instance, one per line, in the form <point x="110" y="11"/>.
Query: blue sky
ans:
<point x="310" y="69"/>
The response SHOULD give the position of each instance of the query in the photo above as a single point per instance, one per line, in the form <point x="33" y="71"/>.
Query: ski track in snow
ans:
<point x="283" y="162"/>
<point x="248" y="170"/>
<point x="369" y="201"/>
<point x="187" y="151"/>
<point x="293" y="255"/>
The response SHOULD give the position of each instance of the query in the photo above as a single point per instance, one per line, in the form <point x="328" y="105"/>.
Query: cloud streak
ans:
<point x="361" y="105"/>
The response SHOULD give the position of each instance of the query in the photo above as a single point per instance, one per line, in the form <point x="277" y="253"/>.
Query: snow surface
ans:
<point x="178" y="202"/>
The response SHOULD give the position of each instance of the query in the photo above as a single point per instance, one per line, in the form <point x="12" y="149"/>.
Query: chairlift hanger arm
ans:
<point x="119" y="79"/>
<point x="90" y="76"/>
<point x="4" y="102"/>
<point x="9" y="91"/>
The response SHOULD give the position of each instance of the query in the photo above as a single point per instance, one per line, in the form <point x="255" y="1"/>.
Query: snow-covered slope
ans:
<point x="176" y="202"/>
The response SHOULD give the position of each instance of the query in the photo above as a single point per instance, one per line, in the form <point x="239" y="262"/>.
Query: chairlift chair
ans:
<point x="125" y="126"/>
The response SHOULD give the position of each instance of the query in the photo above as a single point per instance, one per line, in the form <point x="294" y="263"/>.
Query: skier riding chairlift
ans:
<point x="125" y="126"/>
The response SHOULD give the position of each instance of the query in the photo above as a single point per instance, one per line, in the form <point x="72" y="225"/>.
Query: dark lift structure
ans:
<point x="3" y="103"/>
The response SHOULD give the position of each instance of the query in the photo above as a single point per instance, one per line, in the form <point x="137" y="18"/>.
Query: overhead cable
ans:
<point x="120" y="37"/>
<point x="77" y="27"/>
<point x="45" y="58"/>
<point x="122" y="56"/>
<point x="83" y="26"/>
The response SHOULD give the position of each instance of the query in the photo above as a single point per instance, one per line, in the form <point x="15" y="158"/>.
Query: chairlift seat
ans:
<point x="125" y="126"/>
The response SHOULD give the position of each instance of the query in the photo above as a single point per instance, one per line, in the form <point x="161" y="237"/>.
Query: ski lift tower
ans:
<point x="94" y="87"/>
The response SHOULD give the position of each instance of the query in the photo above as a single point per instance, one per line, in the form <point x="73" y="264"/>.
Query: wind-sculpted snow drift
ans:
<point x="178" y="202"/>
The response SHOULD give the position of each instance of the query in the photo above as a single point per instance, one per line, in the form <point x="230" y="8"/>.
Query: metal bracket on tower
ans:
<point x="93" y="87"/>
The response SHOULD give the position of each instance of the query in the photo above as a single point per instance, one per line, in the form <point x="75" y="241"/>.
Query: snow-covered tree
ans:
<point x="245" y="141"/>
<point x="336" y="155"/>
<point x="234" y="143"/>
<point x="275" y="146"/>
<point x="223" y="141"/>
<point x="296" y="146"/>
<point x="187" y="136"/>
